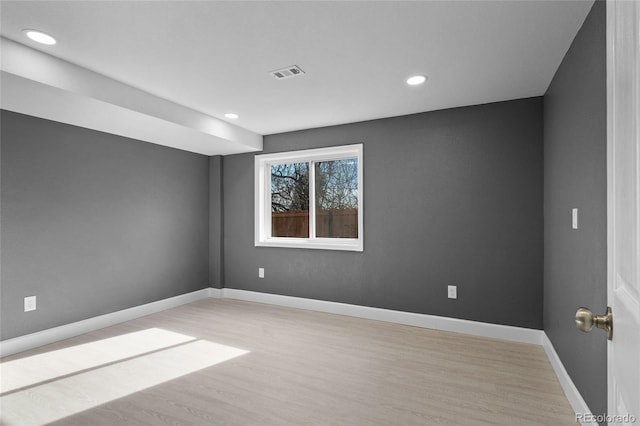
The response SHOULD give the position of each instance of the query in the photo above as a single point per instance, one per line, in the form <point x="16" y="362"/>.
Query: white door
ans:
<point x="623" y="152"/>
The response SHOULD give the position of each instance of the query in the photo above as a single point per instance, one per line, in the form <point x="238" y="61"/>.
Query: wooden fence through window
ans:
<point x="333" y="223"/>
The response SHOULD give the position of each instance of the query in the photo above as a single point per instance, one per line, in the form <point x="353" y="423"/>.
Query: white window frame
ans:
<point x="263" y="165"/>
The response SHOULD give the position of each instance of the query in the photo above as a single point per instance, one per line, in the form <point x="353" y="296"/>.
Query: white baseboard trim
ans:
<point x="505" y="332"/>
<point x="573" y="395"/>
<point x="216" y="293"/>
<point x="40" y="338"/>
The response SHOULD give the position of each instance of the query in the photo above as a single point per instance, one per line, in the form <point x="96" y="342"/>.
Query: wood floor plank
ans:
<point x="229" y="362"/>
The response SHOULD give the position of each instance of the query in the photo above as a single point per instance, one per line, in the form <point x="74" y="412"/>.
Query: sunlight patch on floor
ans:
<point x="58" y="398"/>
<point x="36" y="369"/>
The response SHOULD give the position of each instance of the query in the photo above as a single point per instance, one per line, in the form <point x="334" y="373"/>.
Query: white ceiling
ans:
<point x="214" y="56"/>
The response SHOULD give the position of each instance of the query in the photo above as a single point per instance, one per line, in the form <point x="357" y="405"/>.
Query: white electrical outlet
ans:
<point x="260" y="272"/>
<point x="29" y="303"/>
<point x="574" y="218"/>
<point x="452" y="292"/>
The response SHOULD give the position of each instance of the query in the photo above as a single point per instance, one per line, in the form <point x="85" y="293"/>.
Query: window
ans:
<point x="310" y="199"/>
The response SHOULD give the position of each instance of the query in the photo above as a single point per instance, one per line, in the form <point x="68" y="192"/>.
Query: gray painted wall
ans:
<point x="216" y="219"/>
<point x="93" y="223"/>
<point x="575" y="261"/>
<point x="452" y="197"/>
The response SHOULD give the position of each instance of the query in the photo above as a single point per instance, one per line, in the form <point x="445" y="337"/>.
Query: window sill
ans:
<point x="343" y="244"/>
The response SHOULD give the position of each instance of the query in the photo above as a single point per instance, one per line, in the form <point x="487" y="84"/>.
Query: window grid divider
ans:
<point x="312" y="200"/>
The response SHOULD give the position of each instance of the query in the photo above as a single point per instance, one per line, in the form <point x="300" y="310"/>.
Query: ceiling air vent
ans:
<point x="287" y="72"/>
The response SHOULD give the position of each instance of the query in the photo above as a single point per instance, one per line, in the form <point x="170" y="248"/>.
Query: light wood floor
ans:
<point x="224" y="362"/>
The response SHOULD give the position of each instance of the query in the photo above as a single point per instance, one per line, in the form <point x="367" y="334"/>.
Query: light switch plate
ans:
<point x="574" y="218"/>
<point x="452" y="292"/>
<point x="30" y="303"/>
<point x="260" y="272"/>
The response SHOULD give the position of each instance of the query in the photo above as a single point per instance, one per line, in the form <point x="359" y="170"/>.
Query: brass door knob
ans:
<point x="585" y="320"/>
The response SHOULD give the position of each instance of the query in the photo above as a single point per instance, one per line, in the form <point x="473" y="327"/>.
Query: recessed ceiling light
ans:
<point x="40" y="37"/>
<point x="416" y="79"/>
<point x="231" y="115"/>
